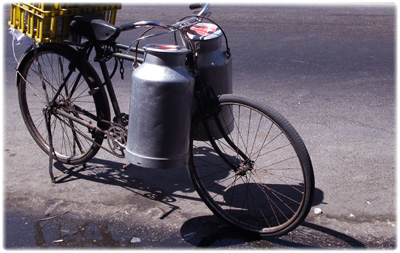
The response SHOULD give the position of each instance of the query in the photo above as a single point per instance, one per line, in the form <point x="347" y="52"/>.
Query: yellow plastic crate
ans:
<point x="49" y="22"/>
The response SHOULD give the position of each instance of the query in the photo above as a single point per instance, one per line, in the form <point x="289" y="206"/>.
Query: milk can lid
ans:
<point x="204" y="31"/>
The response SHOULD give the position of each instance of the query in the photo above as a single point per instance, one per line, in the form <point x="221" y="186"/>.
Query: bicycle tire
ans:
<point x="268" y="194"/>
<point x="52" y="64"/>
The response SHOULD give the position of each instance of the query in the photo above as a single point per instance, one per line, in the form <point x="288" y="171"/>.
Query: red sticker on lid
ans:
<point x="203" y="30"/>
<point x="168" y="47"/>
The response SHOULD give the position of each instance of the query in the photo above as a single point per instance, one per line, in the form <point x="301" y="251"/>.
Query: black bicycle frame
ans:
<point x="207" y="101"/>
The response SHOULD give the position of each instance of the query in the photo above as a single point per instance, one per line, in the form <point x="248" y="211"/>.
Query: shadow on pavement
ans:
<point x="206" y="231"/>
<point x="203" y="232"/>
<point x="164" y="186"/>
<point x="210" y="232"/>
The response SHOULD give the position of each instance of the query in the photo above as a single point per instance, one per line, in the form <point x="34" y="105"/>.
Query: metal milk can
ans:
<point x="160" y="109"/>
<point x="216" y="70"/>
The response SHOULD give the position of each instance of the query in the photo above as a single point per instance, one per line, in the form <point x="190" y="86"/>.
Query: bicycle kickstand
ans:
<point x="47" y="116"/>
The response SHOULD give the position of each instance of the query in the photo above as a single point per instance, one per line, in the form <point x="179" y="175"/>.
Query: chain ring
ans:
<point x="117" y="140"/>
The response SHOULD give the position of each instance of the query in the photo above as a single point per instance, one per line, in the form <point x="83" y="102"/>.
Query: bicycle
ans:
<point x="250" y="167"/>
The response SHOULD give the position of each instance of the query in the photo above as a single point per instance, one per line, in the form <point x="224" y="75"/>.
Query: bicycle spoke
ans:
<point x="52" y="81"/>
<point x="266" y="191"/>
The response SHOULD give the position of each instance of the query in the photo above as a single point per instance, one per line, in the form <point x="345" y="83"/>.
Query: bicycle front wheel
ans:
<point x="54" y="72"/>
<point x="258" y="177"/>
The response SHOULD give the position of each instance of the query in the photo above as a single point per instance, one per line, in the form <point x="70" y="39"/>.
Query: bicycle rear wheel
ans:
<point x="259" y="178"/>
<point x="55" y="72"/>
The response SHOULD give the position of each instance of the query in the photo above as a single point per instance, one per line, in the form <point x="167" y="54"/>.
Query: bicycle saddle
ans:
<point x="94" y="27"/>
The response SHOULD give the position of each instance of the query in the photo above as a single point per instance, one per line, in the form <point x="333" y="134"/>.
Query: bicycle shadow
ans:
<point x="210" y="232"/>
<point x="148" y="183"/>
<point x="203" y="231"/>
<point x="162" y="185"/>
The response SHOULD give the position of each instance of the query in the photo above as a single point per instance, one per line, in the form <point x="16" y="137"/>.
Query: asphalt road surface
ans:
<point x="330" y="70"/>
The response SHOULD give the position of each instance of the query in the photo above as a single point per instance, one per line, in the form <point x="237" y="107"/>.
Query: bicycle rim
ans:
<point x="268" y="190"/>
<point x="56" y="69"/>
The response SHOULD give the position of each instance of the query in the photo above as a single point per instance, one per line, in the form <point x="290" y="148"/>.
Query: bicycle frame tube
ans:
<point x="101" y="58"/>
<point x="107" y="83"/>
<point x="62" y="86"/>
<point x="126" y="56"/>
<point x="110" y="88"/>
<point x="78" y="120"/>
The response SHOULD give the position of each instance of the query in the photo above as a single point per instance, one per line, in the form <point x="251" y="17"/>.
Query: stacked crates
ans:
<point x="49" y="22"/>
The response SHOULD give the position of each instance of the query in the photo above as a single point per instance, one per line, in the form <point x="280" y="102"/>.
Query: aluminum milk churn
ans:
<point x="216" y="70"/>
<point x="160" y="109"/>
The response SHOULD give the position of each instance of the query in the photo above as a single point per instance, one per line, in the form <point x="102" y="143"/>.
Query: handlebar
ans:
<point x="183" y="23"/>
<point x="195" y="6"/>
<point x="204" y="11"/>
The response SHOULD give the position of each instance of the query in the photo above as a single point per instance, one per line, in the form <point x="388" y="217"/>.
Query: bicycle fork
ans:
<point x="209" y="107"/>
